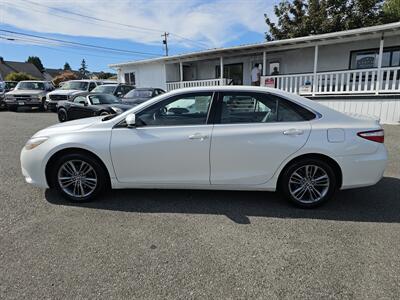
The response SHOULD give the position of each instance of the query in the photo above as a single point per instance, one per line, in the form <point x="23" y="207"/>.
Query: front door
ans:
<point x="255" y="134"/>
<point x="170" y="145"/>
<point x="79" y="108"/>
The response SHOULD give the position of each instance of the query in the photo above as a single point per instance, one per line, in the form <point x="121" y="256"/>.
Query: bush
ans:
<point x="19" y="76"/>
<point x="65" y="76"/>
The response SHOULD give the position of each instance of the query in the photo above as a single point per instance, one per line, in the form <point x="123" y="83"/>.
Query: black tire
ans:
<point x="98" y="169"/>
<point x="62" y="115"/>
<point x="309" y="187"/>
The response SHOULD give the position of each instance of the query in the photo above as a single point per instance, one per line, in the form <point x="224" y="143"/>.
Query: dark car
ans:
<point x="118" y="90"/>
<point x="89" y="105"/>
<point x="138" y="96"/>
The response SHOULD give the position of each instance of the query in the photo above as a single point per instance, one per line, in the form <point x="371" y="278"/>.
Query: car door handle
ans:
<point x="198" y="136"/>
<point x="293" y="131"/>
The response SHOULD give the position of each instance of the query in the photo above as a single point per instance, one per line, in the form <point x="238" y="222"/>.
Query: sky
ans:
<point x="131" y="28"/>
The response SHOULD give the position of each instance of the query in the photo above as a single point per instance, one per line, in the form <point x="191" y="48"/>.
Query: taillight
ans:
<point x="373" y="135"/>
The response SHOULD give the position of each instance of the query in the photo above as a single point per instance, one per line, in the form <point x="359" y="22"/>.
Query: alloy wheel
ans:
<point x="309" y="184"/>
<point x="77" y="178"/>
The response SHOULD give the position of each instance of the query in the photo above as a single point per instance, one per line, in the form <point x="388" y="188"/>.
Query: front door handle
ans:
<point x="293" y="131"/>
<point x="198" y="136"/>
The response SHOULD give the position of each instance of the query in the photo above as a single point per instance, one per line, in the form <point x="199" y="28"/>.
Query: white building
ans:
<point x="354" y="71"/>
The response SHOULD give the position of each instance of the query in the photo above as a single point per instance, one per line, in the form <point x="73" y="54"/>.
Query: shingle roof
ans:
<point x="6" y="67"/>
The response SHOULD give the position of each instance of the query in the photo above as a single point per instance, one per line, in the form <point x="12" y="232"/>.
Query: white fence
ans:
<point x="365" y="81"/>
<point x="196" y="83"/>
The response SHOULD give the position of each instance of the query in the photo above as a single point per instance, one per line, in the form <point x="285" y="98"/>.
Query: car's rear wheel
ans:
<point x="308" y="183"/>
<point x="78" y="177"/>
<point x="62" y="115"/>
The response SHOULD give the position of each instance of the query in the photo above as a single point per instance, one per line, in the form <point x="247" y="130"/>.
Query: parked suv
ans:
<point x="28" y="93"/>
<point x="69" y="90"/>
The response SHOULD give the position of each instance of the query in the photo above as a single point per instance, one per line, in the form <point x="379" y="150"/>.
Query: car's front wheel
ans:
<point x="62" y="115"/>
<point x="78" y="177"/>
<point x="309" y="182"/>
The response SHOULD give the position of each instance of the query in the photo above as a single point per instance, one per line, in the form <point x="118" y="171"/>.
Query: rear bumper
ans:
<point x="363" y="170"/>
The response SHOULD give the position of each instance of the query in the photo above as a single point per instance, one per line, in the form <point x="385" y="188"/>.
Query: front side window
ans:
<point x="260" y="108"/>
<point x="188" y="109"/>
<point x="92" y="85"/>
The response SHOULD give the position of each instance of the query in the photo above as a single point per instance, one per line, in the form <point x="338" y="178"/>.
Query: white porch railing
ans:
<point x="196" y="83"/>
<point x="365" y="81"/>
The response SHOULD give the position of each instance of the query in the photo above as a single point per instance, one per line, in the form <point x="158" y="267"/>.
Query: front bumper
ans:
<point x="32" y="167"/>
<point x="51" y="105"/>
<point x="22" y="103"/>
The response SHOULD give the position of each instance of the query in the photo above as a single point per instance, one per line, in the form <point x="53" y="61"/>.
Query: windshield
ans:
<point x="108" y="89"/>
<point x="75" y="85"/>
<point x="30" y="85"/>
<point x="139" y="94"/>
<point x="103" y="99"/>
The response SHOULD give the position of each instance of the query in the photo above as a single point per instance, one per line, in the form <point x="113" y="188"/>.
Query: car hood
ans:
<point x="121" y="106"/>
<point x="65" y="92"/>
<point x="69" y="126"/>
<point x="26" y="92"/>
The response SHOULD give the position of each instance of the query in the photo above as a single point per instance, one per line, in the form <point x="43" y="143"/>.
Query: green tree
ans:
<point x="83" y="69"/>
<point x="391" y="10"/>
<point x="19" y="76"/>
<point x="67" y="67"/>
<point x="305" y="17"/>
<point x="36" y="61"/>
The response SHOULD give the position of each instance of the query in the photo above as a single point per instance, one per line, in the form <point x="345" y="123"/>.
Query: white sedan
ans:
<point x="222" y="138"/>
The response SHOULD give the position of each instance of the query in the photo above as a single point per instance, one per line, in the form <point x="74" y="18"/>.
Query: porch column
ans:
<point x="264" y="67"/>
<point x="315" y="85"/>
<point x="379" y="76"/>
<point x="221" y="70"/>
<point x="181" y="73"/>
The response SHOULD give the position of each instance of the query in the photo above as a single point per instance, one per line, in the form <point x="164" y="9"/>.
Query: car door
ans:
<point x="255" y="134"/>
<point x="170" y="144"/>
<point x="79" y="108"/>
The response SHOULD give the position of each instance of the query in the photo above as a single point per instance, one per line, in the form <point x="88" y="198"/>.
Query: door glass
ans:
<point x="260" y="108"/>
<point x="188" y="109"/>
<point x="80" y="100"/>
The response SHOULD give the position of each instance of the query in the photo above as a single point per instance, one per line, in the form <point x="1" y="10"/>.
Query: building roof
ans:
<point x="306" y="41"/>
<point x="6" y="67"/>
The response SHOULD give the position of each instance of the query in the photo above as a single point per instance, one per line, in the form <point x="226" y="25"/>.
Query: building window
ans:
<point x="130" y="78"/>
<point x="368" y="59"/>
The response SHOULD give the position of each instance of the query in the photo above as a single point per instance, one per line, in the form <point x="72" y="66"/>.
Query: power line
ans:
<point x="83" y="44"/>
<point x="203" y="45"/>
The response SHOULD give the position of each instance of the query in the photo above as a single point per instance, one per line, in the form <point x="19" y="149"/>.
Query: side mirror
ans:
<point x="131" y="120"/>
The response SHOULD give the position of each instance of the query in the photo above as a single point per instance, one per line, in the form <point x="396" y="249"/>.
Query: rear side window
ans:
<point x="242" y="107"/>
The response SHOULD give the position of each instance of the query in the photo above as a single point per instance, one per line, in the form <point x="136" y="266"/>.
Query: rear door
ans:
<point x="254" y="133"/>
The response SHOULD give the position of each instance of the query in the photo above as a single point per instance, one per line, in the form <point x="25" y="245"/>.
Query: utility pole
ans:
<point x="165" y="42"/>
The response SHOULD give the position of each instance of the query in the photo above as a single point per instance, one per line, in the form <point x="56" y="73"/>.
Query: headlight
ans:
<point x="117" y="110"/>
<point x="34" y="142"/>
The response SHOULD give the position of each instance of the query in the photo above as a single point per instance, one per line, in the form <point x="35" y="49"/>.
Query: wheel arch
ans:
<point x="333" y="163"/>
<point x="72" y="150"/>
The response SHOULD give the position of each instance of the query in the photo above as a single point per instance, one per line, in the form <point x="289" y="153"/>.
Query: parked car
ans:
<point x="5" y="86"/>
<point x="89" y="105"/>
<point x="202" y="138"/>
<point x="140" y="95"/>
<point x="68" y="90"/>
<point x="28" y="93"/>
<point x="118" y="90"/>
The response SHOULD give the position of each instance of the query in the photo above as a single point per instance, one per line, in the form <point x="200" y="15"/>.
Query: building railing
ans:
<point x="365" y="81"/>
<point x="196" y="83"/>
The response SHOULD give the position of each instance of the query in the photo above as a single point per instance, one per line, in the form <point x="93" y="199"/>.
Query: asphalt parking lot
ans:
<point x="174" y="244"/>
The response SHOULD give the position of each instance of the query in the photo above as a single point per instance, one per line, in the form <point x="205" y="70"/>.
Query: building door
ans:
<point x="233" y="72"/>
